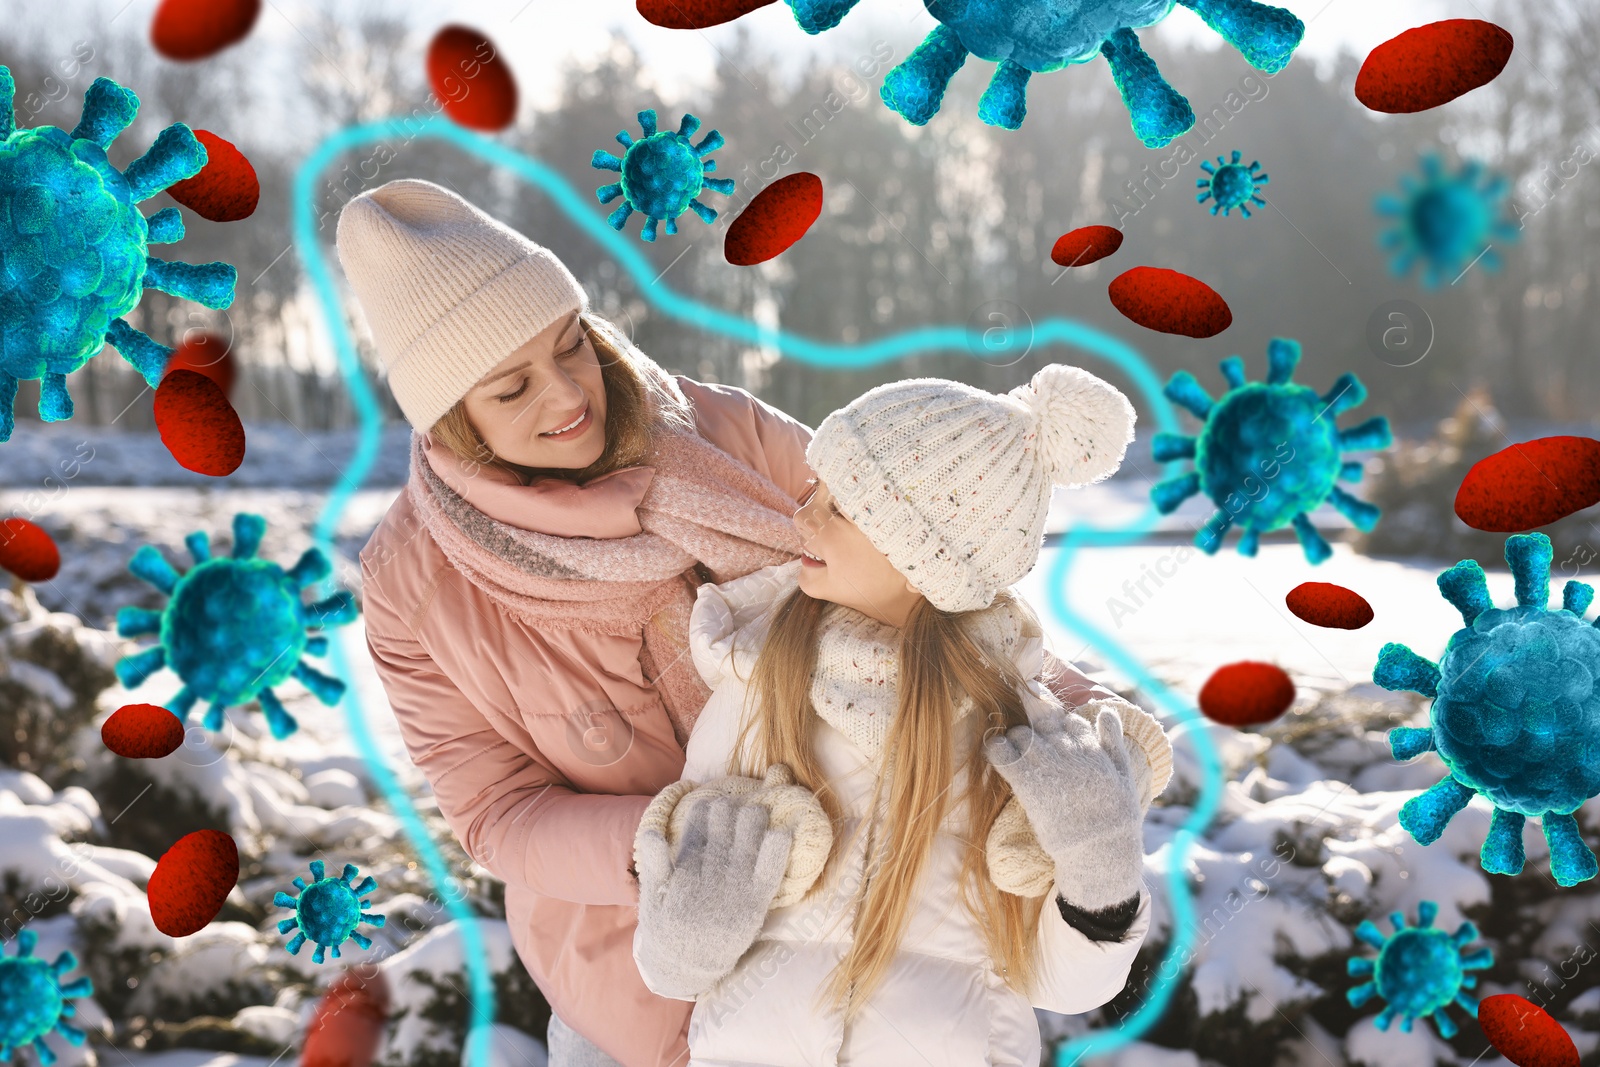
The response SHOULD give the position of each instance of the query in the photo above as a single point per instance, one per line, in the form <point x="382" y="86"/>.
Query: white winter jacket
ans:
<point x="942" y="1003"/>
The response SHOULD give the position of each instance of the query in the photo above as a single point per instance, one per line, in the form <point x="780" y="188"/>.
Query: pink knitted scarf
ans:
<point x="702" y="507"/>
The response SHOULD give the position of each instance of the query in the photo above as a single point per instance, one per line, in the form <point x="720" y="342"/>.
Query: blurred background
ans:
<point x="950" y="223"/>
<point x="921" y="224"/>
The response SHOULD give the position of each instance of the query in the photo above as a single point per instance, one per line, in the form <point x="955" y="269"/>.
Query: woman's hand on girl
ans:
<point x="698" y="916"/>
<point x="1076" y="784"/>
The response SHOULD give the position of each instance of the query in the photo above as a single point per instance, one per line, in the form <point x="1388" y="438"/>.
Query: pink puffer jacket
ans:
<point x="540" y="776"/>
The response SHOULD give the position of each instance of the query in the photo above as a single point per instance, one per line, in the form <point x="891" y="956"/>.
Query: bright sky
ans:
<point x="538" y="34"/>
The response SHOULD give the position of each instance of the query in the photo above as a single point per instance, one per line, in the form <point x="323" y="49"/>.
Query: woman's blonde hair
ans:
<point x="639" y="403"/>
<point x="939" y="664"/>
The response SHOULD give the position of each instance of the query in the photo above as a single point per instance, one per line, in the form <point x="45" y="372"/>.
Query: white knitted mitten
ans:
<point x="1082" y="797"/>
<point x="789" y="806"/>
<point x="1147" y="743"/>
<point x="1016" y="862"/>
<point x="700" y="913"/>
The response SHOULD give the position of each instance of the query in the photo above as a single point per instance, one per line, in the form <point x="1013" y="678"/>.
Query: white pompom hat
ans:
<point x="953" y="484"/>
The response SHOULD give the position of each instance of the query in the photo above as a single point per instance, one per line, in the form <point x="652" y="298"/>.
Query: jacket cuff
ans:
<point x="1108" y="924"/>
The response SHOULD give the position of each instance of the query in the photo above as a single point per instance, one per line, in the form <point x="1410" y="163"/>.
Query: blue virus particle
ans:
<point x="34" y="1001"/>
<point x="1419" y="972"/>
<point x="1269" y="452"/>
<point x="1231" y="185"/>
<point x="75" y="246"/>
<point x="1446" y="222"/>
<point x="328" y="911"/>
<point x="662" y="174"/>
<point x="1515" y="715"/>
<point x="234" y="627"/>
<point x="1027" y="37"/>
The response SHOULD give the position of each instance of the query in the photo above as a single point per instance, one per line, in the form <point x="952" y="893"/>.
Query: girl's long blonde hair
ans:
<point x="939" y="664"/>
<point x="639" y="403"/>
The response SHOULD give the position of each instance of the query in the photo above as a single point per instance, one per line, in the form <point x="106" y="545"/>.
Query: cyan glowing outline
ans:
<point x="581" y="212"/>
<point x="1183" y="928"/>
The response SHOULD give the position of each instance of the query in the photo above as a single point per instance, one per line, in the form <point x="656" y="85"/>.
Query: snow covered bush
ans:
<point x="428" y="1027"/>
<point x="81" y="831"/>
<point x="1306" y="844"/>
<point x="52" y="669"/>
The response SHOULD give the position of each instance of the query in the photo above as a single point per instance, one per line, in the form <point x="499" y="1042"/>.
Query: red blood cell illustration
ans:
<point x="1247" y="693"/>
<point x="206" y="353"/>
<point x="471" y="80"/>
<point x="27" y="551"/>
<point x="778" y="217"/>
<point x="1170" y="302"/>
<point x="191" y="881"/>
<point x="348" y="1022"/>
<point x="226" y="189"/>
<point x="198" y="425"/>
<point x="142" y="731"/>
<point x="1530" y="484"/>
<point x="1524" y="1033"/>
<point x="1085" y="245"/>
<point x="195" y="29"/>
<point x="1432" y="65"/>
<point x="1326" y="604"/>
<point x="696" y="14"/>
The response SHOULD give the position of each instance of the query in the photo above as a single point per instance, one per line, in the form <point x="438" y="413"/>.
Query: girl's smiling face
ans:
<point x="841" y="565"/>
<point x="544" y="405"/>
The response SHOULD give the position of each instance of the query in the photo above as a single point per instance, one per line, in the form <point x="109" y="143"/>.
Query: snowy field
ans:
<point x="1317" y="789"/>
<point x="1219" y="609"/>
<point x="1179" y="612"/>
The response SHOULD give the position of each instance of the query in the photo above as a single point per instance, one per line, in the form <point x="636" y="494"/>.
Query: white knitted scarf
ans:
<point x="858" y="669"/>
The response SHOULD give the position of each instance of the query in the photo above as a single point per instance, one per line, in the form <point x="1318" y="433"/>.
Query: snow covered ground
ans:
<point x="1306" y="836"/>
<point x="1218" y="609"/>
<point x="41" y="455"/>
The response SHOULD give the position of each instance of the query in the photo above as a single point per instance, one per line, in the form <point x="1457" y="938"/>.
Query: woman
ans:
<point x="526" y="598"/>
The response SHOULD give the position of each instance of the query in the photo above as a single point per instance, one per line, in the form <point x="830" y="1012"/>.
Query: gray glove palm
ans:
<point x="1076" y="784"/>
<point x="699" y="915"/>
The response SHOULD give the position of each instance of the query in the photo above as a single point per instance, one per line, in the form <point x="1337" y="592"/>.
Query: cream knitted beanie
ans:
<point x="447" y="291"/>
<point x="953" y="483"/>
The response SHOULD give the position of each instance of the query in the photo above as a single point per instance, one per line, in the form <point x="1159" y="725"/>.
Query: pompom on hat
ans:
<point x="447" y="291"/>
<point x="953" y="484"/>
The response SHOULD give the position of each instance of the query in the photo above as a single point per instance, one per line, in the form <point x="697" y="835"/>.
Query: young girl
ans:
<point x="904" y="842"/>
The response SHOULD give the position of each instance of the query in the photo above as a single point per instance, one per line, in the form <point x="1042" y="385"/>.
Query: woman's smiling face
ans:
<point x="544" y="405"/>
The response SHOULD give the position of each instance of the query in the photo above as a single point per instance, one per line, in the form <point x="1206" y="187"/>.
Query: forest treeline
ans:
<point x="949" y="223"/>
